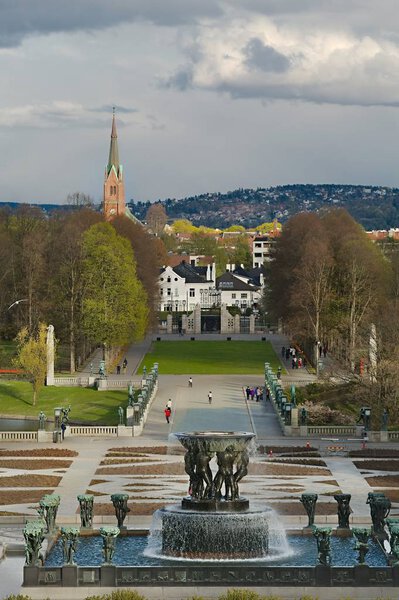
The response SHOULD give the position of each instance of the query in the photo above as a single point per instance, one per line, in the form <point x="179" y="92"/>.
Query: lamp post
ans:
<point x="18" y="302"/>
<point x="57" y="416"/>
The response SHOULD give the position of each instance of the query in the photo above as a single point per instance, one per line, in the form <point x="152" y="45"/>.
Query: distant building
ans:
<point x="114" y="203"/>
<point x="241" y="287"/>
<point x="184" y="286"/>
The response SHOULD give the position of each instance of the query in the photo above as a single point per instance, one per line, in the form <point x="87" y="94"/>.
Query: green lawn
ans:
<point x="88" y="405"/>
<point x="213" y="358"/>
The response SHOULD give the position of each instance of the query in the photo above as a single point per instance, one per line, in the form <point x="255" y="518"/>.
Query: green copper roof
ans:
<point x="113" y="159"/>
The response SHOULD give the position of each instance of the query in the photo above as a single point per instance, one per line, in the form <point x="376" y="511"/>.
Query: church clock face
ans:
<point x="112" y="211"/>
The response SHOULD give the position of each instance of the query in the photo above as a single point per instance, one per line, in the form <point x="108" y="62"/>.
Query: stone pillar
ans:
<point x="252" y="324"/>
<point x="50" y="355"/>
<point x="184" y="323"/>
<point x="236" y="323"/>
<point x="197" y="319"/>
<point x="129" y="416"/>
<point x="169" y="321"/>
<point x="294" y="417"/>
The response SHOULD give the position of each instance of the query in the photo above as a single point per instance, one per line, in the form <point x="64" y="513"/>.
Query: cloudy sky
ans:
<point x="211" y="95"/>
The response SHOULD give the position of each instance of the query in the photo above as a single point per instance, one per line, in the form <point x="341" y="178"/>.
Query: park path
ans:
<point x="350" y="481"/>
<point x="229" y="410"/>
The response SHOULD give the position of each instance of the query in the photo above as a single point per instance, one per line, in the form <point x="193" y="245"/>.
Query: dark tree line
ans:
<point x="43" y="266"/>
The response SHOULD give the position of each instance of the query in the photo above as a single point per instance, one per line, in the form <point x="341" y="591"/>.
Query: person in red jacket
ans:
<point x="167" y="412"/>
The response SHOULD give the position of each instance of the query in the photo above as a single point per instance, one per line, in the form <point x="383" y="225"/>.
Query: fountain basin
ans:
<point x="221" y="535"/>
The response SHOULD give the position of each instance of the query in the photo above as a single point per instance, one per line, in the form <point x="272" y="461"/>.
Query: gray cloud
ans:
<point x="181" y="80"/>
<point x="265" y="58"/>
<point x="22" y="18"/>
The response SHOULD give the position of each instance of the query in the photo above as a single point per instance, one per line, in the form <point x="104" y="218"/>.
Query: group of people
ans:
<point x="254" y="393"/>
<point x="124" y="367"/>
<point x="168" y="410"/>
<point x="297" y="360"/>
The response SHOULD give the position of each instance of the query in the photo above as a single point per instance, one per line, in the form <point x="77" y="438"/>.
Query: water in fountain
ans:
<point x="209" y="525"/>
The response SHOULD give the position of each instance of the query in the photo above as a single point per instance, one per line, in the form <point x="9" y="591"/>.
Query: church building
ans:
<point x="114" y="188"/>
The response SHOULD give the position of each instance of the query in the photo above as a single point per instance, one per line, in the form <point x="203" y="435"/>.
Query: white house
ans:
<point x="184" y="286"/>
<point x="238" y="290"/>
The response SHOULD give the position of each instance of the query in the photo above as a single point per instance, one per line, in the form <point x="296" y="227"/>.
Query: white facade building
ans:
<point x="261" y="247"/>
<point x="183" y="287"/>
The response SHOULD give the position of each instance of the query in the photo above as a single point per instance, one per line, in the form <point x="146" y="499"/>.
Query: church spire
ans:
<point x="113" y="160"/>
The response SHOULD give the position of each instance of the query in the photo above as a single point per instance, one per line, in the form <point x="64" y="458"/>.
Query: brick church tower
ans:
<point x="114" y="187"/>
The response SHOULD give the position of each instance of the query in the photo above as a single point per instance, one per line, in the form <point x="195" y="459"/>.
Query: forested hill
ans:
<point x="373" y="207"/>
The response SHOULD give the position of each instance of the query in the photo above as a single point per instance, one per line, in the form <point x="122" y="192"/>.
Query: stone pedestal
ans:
<point x="44" y="437"/>
<point x="303" y="430"/>
<point x="130" y="416"/>
<point x="91" y="381"/>
<point x="184" y="323"/>
<point x="226" y="321"/>
<point x="323" y="575"/>
<point x="102" y="384"/>
<point x="107" y="576"/>
<point x="69" y="576"/>
<point x="236" y="323"/>
<point x="197" y="319"/>
<point x="252" y="324"/>
<point x="384" y="436"/>
<point x="31" y="576"/>
<point x="124" y="431"/>
<point x="362" y="575"/>
<point x="294" y="417"/>
<point x="169" y="321"/>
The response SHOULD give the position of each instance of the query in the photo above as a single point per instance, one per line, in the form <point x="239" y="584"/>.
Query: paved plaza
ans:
<point x="229" y="411"/>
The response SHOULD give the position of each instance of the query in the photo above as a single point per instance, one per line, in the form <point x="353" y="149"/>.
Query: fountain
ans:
<point x="214" y="536"/>
<point x="214" y="521"/>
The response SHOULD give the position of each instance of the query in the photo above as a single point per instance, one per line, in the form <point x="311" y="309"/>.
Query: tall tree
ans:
<point x="32" y="356"/>
<point x="150" y="255"/>
<point x="156" y="218"/>
<point x="66" y="282"/>
<point x="361" y="276"/>
<point x="115" y="303"/>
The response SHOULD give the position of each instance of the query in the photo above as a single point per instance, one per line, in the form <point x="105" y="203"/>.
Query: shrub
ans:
<point x="235" y="594"/>
<point x="320" y="414"/>
<point x="17" y="597"/>
<point x="119" y="595"/>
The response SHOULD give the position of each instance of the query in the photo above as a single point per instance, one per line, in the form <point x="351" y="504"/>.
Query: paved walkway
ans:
<point x="350" y="481"/>
<point x="134" y="356"/>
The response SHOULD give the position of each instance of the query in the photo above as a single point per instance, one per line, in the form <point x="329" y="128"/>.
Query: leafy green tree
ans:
<point x="115" y="303"/>
<point x="32" y="357"/>
<point x="241" y="255"/>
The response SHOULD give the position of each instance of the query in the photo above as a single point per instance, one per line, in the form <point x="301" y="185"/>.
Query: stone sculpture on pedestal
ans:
<point x="34" y="536"/>
<point x="309" y="503"/>
<point x="69" y="536"/>
<point x="86" y="502"/>
<point x="121" y="508"/>
<point x="109" y="535"/>
<point x="48" y="507"/>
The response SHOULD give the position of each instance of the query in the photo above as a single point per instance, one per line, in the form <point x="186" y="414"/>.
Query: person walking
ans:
<point x="124" y="364"/>
<point x="248" y="391"/>
<point x="190" y="382"/>
<point x="118" y="370"/>
<point x="210" y="397"/>
<point x="169" y="404"/>
<point x="167" y="412"/>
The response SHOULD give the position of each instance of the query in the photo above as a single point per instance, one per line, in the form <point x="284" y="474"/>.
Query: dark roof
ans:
<point x="189" y="273"/>
<point x="228" y="281"/>
<point x="253" y="274"/>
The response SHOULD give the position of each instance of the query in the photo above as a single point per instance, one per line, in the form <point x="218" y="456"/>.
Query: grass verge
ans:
<point x="211" y="358"/>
